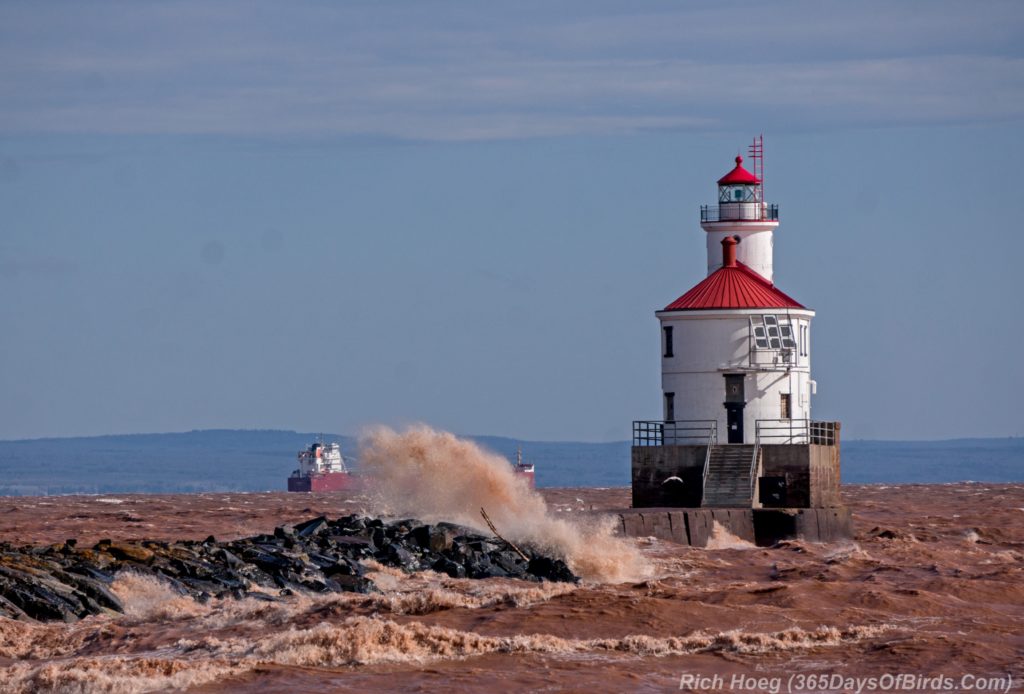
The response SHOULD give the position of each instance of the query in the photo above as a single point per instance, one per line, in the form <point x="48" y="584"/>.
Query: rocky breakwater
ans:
<point x="66" y="582"/>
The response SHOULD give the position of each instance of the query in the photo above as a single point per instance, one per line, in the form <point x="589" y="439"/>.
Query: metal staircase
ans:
<point x="729" y="476"/>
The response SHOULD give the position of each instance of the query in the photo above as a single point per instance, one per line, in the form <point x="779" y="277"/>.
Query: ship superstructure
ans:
<point x="322" y="469"/>
<point x="524" y="470"/>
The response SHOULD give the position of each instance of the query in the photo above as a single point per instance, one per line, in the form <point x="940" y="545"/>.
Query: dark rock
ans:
<point x="479" y="544"/>
<point x="97" y="591"/>
<point x="354" y="584"/>
<point x="350" y="543"/>
<point x="551" y="569"/>
<point x="130" y="551"/>
<point x="229" y="558"/>
<point x="9" y="609"/>
<point x="447" y="566"/>
<point x="399" y="556"/>
<point x="421" y="535"/>
<point x="322" y="560"/>
<point x="311" y="527"/>
<point x="271" y="563"/>
<point x="343" y="568"/>
<point x="511" y="562"/>
<point x="63" y="582"/>
<point x="479" y="566"/>
<point x="433" y="538"/>
<point x="92" y="572"/>
<point x="351" y="523"/>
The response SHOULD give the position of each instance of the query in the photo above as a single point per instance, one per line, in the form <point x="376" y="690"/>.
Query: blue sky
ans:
<point x="322" y="215"/>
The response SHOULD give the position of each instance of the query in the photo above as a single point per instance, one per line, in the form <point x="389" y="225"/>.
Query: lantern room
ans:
<point x="739" y="185"/>
<point x="741" y="193"/>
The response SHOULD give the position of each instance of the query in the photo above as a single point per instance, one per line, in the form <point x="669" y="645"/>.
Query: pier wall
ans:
<point x="761" y="527"/>
<point x="652" y="465"/>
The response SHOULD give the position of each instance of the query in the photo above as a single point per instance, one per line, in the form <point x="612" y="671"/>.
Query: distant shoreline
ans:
<point x="231" y="460"/>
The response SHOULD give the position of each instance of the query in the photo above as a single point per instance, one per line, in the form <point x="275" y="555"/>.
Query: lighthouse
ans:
<point x="735" y="347"/>
<point x="736" y="435"/>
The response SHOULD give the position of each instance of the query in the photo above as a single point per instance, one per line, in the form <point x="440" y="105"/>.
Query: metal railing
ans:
<point x="678" y="432"/>
<point x="753" y="467"/>
<point x="753" y="212"/>
<point x="712" y="440"/>
<point x="824" y="433"/>
<point x="782" y="431"/>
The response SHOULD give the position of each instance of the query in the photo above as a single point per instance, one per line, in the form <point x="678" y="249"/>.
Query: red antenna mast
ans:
<point x="756" y="153"/>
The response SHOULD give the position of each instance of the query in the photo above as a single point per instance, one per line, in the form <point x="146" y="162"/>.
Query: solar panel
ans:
<point x="760" y="339"/>
<point x="772" y="332"/>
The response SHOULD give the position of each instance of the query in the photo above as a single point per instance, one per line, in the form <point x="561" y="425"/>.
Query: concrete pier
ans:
<point x="763" y="527"/>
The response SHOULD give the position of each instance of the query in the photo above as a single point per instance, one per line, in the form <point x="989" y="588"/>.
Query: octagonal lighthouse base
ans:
<point x="760" y="493"/>
<point x="721" y="528"/>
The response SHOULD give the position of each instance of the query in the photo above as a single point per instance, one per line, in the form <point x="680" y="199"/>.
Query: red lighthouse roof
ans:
<point x="739" y="175"/>
<point x="735" y="286"/>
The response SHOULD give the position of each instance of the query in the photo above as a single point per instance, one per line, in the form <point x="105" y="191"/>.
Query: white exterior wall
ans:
<point x="707" y="345"/>
<point x="754" y="249"/>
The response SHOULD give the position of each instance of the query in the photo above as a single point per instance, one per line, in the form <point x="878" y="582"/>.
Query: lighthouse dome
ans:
<point x="738" y="176"/>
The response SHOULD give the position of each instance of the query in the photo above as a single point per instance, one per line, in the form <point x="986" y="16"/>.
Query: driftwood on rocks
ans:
<point x="66" y="582"/>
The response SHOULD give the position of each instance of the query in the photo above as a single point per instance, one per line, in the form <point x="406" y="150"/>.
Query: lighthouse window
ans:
<point x="668" y="340"/>
<point x="787" y="336"/>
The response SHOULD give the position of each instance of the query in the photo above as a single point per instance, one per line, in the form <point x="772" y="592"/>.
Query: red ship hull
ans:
<point x="325" y="482"/>
<point x="528" y="476"/>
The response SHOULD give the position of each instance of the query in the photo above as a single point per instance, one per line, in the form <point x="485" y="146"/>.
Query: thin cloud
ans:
<point x="435" y="71"/>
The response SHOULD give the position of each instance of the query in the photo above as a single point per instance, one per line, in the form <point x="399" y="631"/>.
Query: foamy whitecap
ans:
<point x="436" y="476"/>
<point x="723" y="539"/>
<point x="372" y="640"/>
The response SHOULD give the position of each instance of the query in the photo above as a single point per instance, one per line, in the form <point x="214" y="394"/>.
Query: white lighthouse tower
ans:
<point x="736" y="376"/>
<point x="736" y="348"/>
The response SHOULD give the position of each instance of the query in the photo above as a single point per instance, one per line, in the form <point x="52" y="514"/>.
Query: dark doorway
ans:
<point x="734" y="388"/>
<point x="735" y="401"/>
<point x="734" y="421"/>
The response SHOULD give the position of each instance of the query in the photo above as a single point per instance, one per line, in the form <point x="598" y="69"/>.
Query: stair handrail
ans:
<point x="753" y="461"/>
<point x="712" y="442"/>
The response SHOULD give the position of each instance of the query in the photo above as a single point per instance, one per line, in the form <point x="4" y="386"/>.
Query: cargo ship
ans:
<point x="322" y="469"/>
<point x="524" y="470"/>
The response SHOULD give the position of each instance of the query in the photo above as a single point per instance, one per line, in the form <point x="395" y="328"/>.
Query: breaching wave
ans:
<point x="436" y="476"/>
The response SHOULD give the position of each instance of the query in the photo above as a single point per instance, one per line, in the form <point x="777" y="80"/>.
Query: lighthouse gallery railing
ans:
<point x="750" y="213"/>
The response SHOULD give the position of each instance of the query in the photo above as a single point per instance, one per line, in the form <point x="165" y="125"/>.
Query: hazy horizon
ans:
<point x="356" y="436"/>
<point x="238" y="460"/>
